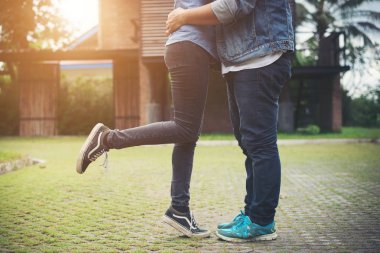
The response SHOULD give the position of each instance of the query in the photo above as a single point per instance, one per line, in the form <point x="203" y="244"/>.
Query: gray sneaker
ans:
<point x="92" y="148"/>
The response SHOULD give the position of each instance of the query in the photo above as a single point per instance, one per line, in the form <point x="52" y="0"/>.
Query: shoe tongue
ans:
<point x="247" y="220"/>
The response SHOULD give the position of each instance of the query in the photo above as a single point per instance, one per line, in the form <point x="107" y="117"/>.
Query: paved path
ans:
<point x="330" y="199"/>
<point x="293" y="142"/>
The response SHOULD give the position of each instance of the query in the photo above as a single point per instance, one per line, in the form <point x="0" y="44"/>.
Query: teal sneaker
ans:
<point x="238" y="218"/>
<point x="246" y="231"/>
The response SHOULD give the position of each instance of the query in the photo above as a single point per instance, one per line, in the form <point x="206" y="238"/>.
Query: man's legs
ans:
<point x="256" y="93"/>
<point x="235" y="120"/>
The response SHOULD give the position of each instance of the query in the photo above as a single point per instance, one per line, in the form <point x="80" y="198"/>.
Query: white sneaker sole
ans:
<point x="182" y="229"/>
<point x="85" y="146"/>
<point x="268" y="237"/>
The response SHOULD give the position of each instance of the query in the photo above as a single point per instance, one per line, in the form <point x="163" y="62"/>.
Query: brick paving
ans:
<point x="330" y="200"/>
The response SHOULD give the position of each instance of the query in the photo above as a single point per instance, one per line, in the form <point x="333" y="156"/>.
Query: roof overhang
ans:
<point x="70" y="55"/>
<point x="307" y="72"/>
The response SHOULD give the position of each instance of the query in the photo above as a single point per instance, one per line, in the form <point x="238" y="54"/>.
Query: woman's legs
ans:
<point x="188" y="66"/>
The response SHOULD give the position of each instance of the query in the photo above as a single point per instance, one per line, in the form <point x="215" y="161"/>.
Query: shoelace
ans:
<point x="194" y="224"/>
<point x="240" y="216"/>
<point x="242" y="223"/>
<point x="105" y="162"/>
<point x="99" y="153"/>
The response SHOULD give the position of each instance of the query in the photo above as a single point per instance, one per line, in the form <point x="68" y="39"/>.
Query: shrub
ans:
<point x="84" y="102"/>
<point x="9" y="107"/>
<point x="310" y="129"/>
<point x="362" y="111"/>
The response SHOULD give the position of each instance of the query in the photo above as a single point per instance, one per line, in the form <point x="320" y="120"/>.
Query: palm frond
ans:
<point x="368" y="14"/>
<point x="302" y="14"/>
<point x="353" y="31"/>
<point x="368" y="26"/>
<point x="352" y="4"/>
<point x="312" y="2"/>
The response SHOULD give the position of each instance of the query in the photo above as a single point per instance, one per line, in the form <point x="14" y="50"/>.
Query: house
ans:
<point x="73" y="69"/>
<point x="130" y="38"/>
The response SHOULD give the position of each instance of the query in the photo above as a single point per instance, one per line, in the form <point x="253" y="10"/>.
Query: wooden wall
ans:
<point x="153" y="18"/>
<point x="119" y="24"/>
<point x="126" y="92"/>
<point x="38" y="98"/>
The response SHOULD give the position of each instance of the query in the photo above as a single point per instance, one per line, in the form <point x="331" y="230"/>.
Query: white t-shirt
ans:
<point x="253" y="63"/>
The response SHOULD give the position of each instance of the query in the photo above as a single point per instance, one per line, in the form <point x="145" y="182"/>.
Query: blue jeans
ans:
<point x="253" y="103"/>
<point x="188" y="65"/>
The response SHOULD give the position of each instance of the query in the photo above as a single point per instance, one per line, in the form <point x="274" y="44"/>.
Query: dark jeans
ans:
<point x="253" y="102"/>
<point x="188" y="65"/>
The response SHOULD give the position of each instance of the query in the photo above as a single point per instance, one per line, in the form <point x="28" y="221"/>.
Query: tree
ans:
<point x="25" y="24"/>
<point x="348" y="16"/>
<point x="363" y="110"/>
<point x="31" y="24"/>
<point x="340" y="15"/>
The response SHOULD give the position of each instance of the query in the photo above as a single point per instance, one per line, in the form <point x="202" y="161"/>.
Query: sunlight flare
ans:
<point x="81" y="15"/>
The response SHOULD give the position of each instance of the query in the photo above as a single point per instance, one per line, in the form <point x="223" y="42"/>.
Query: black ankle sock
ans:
<point x="182" y="209"/>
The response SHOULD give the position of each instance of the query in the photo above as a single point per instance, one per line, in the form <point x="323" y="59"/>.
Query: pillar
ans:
<point x="126" y="92"/>
<point x="38" y="84"/>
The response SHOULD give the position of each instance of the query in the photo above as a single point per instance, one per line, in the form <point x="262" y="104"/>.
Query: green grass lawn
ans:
<point x="54" y="209"/>
<point x="6" y="156"/>
<point x="347" y="132"/>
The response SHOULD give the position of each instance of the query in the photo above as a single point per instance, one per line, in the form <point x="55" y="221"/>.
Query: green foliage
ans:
<point x="8" y="156"/>
<point x="307" y="54"/>
<point x="16" y="21"/>
<point x="361" y="27"/>
<point x="365" y="112"/>
<point x="310" y="129"/>
<point x="362" y="111"/>
<point x="9" y="107"/>
<point x="27" y="23"/>
<point x="345" y="15"/>
<point x="83" y="103"/>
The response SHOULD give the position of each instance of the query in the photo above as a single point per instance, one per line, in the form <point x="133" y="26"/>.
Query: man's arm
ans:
<point x="197" y="16"/>
<point x="220" y="11"/>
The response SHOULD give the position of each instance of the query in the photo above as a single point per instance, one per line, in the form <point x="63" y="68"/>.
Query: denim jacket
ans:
<point x="252" y="28"/>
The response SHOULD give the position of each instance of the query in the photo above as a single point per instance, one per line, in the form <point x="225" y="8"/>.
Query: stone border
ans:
<point x="6" y="167"/>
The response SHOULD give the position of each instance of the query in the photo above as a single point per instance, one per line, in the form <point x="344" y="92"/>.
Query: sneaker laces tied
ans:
<point x="194" y="224"/>
<point x="242" y="223"/>
<point x="99" y="153"/>
<point x="239" y="216"/>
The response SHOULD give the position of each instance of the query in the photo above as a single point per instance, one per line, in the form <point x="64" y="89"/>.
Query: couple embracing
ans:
<point x="254" y="41"/>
